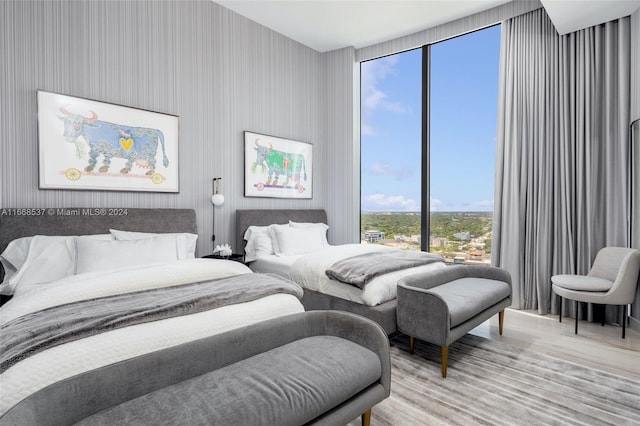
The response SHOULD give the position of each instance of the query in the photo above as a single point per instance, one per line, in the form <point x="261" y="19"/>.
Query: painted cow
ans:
<point x="280" y="163"/>
<point x="111" y="140"/>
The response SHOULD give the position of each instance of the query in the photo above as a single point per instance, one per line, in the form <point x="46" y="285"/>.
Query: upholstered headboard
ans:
<point x="17" y="223"/>
<point x="247" y="218"/>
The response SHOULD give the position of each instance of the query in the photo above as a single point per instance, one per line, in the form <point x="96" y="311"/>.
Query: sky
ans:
<point x="464" y="97"/>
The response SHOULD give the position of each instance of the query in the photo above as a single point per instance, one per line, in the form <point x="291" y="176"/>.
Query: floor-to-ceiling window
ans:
<point x="428" y="125"/>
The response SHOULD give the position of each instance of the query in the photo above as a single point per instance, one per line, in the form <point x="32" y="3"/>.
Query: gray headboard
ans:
<point x="16" y="223"/>
<point x="247" y="218"/>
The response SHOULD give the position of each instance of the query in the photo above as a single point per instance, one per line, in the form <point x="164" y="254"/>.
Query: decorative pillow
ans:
<point x="259" y="243"/>
<point x="185" y="242"/>
<point x="96" y="255"/>
<point x="48" y="258"/>
<point x="320" y="225"/>
<point x="299" y="240"/>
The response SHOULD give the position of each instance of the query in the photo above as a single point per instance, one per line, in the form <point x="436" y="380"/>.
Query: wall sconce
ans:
<point x="217" y="199"/>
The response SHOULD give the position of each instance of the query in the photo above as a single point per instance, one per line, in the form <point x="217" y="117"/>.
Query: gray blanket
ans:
<point x="359" y="270"/>
<point x="37" y="331"/>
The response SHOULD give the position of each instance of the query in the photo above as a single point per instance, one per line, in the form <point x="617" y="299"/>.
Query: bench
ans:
<point x="441" y="306"/>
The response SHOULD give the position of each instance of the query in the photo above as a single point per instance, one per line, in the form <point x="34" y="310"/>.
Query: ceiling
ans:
<point x="325" y="25"/>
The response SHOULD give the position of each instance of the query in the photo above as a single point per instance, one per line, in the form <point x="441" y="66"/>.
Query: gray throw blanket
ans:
<point x="37" y="331"/>
<point x="359" y="270"/>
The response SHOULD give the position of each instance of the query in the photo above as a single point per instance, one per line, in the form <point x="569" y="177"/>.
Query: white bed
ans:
<point x="308" y="270"/>
<point x="32" y="292"/>
<point x="305" y="258"/>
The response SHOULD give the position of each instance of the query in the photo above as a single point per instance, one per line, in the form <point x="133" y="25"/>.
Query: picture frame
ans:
<point x="277" y="168"/>
<point x="91" y="145"/>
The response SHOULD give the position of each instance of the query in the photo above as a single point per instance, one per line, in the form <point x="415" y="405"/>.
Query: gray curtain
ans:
<point x="562" y="152"/>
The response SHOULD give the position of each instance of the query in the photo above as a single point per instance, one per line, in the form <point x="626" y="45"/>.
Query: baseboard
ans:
<point x="634" y="324"/>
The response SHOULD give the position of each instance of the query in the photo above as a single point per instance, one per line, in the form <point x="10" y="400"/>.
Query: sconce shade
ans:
<point x="217" y="199"/>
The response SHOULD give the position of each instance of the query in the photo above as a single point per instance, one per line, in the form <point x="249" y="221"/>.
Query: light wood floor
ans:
<point x="594" y="345"/>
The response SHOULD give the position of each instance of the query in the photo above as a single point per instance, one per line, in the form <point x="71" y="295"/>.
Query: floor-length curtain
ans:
<point x="562" y="151"/>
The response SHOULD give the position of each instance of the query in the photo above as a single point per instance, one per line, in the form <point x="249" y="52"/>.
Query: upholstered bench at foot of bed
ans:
<point x="443" y="305"/>
<point x="289" y="385"/>
<point x="316" y="368"/>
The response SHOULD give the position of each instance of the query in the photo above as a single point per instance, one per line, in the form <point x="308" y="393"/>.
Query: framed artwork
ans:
<point x="86" y="144"/>
<point x="276" y="167"/>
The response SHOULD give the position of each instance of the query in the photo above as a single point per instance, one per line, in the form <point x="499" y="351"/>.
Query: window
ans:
<point x="445" y="156"/>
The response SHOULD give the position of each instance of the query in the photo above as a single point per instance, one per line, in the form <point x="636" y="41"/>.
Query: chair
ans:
<point x="612" y="280"/>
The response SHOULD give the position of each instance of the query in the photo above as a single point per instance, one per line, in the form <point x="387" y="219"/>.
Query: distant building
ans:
<point x="463" y="236"/>
<point x="373" y="236"/>
<point x="438" y="242"/>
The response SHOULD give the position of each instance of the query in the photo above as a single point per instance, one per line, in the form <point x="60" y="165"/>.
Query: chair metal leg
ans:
<point x="500" y="321"/>
<point x="577" y="315"/>
<point x="624" y="320"/>
<point x="560" y="309"/>
<point x="604" y="313"/>
<point x="411" y="345"/>
<point x="366" y="418"/>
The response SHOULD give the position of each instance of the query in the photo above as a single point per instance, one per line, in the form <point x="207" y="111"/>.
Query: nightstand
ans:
<point x="236" y="257"/>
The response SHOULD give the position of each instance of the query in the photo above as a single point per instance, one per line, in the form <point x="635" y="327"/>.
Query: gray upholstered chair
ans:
<point x="612" y="280"/>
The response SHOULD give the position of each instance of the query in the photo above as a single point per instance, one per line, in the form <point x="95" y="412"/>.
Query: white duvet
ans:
<point x="309" y="272"/>
<point x="60" y="362"/>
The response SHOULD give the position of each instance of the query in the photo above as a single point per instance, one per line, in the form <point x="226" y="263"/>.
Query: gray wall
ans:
<point x="219" y="72"/>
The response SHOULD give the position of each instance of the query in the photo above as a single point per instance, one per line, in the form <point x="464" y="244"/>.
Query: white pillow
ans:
<point x="320" y="225"/>
<point x="259" y="243"/>
<point x="185" y="242"/>
<point x="96" y="255"/>
<point x="299" y="240"/>
<point x="48" y="258"/>
<point x="274" y="238"/>
<point x="12" y="259"/>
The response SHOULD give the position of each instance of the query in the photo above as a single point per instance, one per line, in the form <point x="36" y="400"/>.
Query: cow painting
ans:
<point x="136" y="145"/>
<point x="280" y="163"/>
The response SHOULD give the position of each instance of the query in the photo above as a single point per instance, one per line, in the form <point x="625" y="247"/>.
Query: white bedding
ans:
<point x="281" y="265"/>
<point x="309" y="271"/>
<point x="72" y="358"/>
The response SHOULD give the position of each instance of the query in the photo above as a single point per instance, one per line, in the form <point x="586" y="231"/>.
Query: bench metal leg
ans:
<point x="411" y="345"/>
<point x="500" y="321"/>
<point x="366" y="418"/>
<point x="444" y="359"/>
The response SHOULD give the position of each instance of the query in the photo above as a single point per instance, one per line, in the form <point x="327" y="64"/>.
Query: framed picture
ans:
<point x="276" y="167"/>
<point x="86" y="144"/>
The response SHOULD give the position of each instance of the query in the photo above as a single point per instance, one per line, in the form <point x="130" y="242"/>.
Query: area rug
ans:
<point x="493" y="383"/>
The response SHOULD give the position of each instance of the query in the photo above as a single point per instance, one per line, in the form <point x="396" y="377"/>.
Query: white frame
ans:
<point x="64" y="154"/>
<point x="296" y="169"/>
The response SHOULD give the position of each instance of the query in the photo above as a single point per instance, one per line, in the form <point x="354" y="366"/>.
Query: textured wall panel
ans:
<point x="219" y="72"/>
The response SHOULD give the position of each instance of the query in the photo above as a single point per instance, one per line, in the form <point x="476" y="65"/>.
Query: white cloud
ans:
<point x="434" y="203"/>
<point x="391" y="202"/>
<point x="371" y="73"/>
<point x="384" y="169"/>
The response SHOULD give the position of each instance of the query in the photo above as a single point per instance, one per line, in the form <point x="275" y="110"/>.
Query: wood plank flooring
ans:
<point x="594" y="345"/>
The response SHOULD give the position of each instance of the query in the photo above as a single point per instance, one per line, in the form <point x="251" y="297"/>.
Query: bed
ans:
<point x="68" y="267"/>
<point x="375" y="301"/>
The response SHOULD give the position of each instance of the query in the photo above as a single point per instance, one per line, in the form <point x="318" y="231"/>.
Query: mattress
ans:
<point x="66" y="360"/>
<point x="309" y="271"/>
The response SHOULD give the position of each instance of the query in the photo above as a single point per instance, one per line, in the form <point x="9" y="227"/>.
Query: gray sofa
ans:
<point x="321" y="368"/>
<point x="443" y="305"/>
